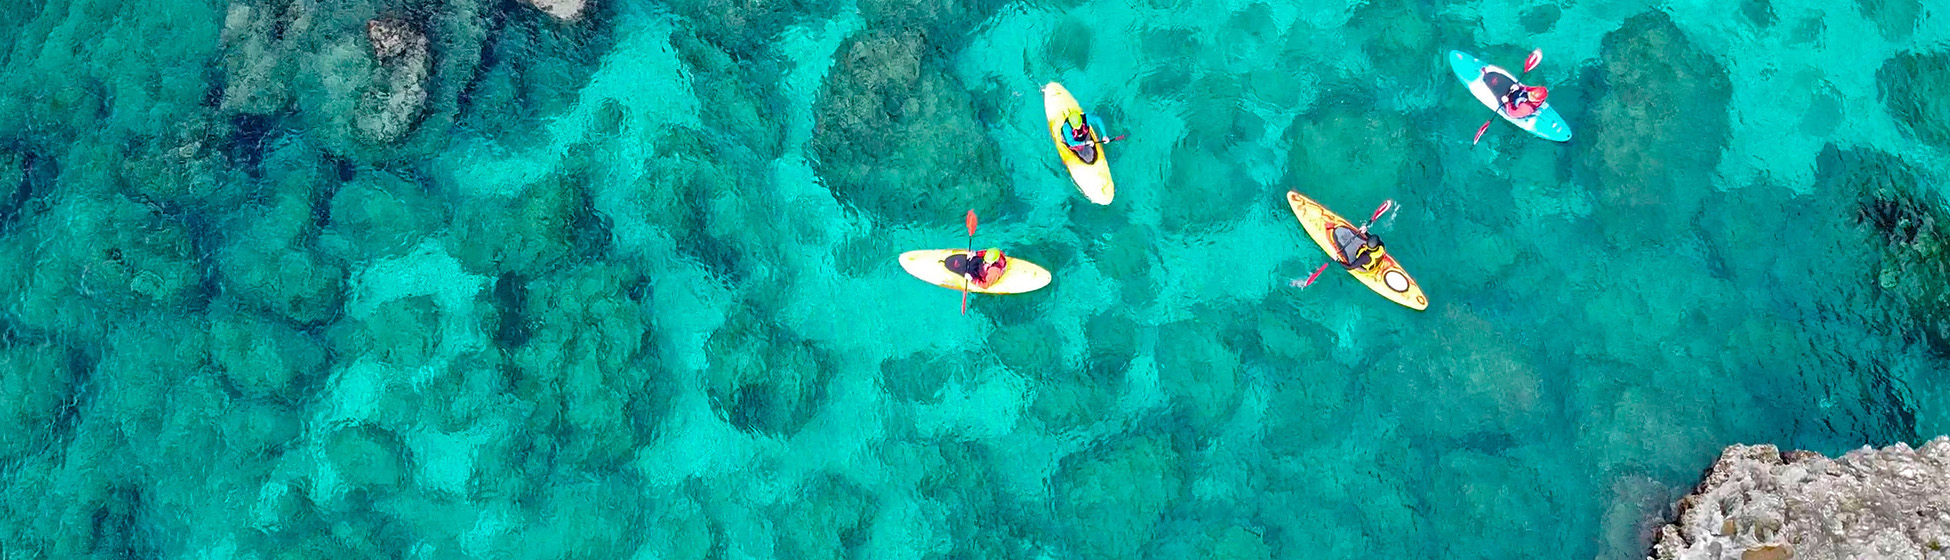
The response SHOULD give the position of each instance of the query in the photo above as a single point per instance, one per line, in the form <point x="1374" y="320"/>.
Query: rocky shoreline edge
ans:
<point x="1757" y="503"/>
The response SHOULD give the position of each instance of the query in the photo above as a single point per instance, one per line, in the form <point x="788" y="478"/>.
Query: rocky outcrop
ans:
<point x="565" y="10"/>
<point x="395" y="106"/>
<point x="1758" y="503"/>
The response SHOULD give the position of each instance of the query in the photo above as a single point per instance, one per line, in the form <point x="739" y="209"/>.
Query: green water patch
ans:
<point x="922" y="376"/>
<point x="1129" y="256"/>
<point x="1904" y="210"/>
<point x="1208" y="191"/>
<point x="1659" y="126"/>
<point x="740" y="97"/>
<point x="1216" y="118"/>
<point x="1214" y="541"/>
<point x="41" y="379"/>
<point x="895" y="134"/>
<point x="1895" y="18"/>
<point x="1825" y="113"/>
<point x="1111" y="499"/>
<point x="1541" y="19"/>
<point x="553" y="223"/>
<point x="1913" y="86"/>
<point x="832" y="520"/>
<point x="1405" y="39"/>
<point x="960" y="479"/>
<point x="1475" y="492"/>
<point x="402" y="332"/>
<point x="1200" y="375"/>
<point x="1278" y="334"/>
<point x="1015" y="309"/>
<point x="1760" y="13"/>
<point x="704" y="193"/>
<point x="379" y="213"/>
<point x="947" y="24"/>
<point x="263" y="357"/>
<point x="1112" y="339"/>
<point x="1069" y="45"/>
<point x="519" y="70"/>
<point x="15" y="190"/>
<point x="367" y="458"/>
<point x="118" y="257"/>
<point x="266" y="249"/>
<point x="747" y="29"/>
<point x="1065" y="399"/>
<point x="764" y="378"/>
<point x="1489" y="387"/>
<point x="1344" y="150"/>
<point x="587" y="363"/>
<point x="865" y="255"/>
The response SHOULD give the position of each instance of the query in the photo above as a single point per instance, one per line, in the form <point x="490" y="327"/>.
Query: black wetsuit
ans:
<point x="966" y="266"/>
<point x="1351" y="243"/>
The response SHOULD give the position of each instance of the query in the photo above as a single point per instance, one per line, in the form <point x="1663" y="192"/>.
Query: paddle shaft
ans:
<point x="970" y="220"/>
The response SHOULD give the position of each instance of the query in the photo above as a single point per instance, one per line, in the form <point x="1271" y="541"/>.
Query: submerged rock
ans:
<point x="565" y="10"/>
<point x="1913" y="86"/>
<point x="763" y="378"/>
<point x="1658" y="129"/>
<point x="1757" y="502"/>
<point x="390" y="110"/>
<point x="896" y="134"/>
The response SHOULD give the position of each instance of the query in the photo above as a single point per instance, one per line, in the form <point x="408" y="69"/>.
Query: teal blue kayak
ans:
<point x="1476" y="75"/>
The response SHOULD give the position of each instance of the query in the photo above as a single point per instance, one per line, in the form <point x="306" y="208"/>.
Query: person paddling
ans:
<point x="1358" y="247"/>
<point x="1084" y="132"/>
<point x="982" y="268"/>
<point x="1523" y="101"/>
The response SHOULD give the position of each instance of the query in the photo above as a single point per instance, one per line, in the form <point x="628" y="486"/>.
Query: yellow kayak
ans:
<point x="1383" y="275"/>
<point x="930" y="266"/>
<point x="1092" y="178"/>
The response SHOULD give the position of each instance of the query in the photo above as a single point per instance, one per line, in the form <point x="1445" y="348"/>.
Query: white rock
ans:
<point x="1758" y="503"/>
<point x="565" y="10"/>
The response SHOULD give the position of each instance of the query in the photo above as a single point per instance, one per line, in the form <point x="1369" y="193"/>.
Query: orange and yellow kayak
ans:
<point x="1383" y="274"/>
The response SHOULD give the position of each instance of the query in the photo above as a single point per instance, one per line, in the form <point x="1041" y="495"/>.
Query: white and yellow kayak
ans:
<point x="931" y="266"/>
<point x="1092" y="178"/>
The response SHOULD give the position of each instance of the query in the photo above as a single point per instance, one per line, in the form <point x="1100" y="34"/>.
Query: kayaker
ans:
<point x="1524" y="101"/>
<point x="1358" y="246"/>
<point x="981" y="269"/>
<point x="1082" y="140"/>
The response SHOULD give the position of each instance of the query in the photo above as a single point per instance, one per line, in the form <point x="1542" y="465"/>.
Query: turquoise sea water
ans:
<point x="625" y="287"/>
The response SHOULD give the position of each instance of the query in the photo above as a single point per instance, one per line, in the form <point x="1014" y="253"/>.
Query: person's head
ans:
<point x="992" y="255"/>
<point x="1076" y="121"/>
<point x="1538" y="93"/>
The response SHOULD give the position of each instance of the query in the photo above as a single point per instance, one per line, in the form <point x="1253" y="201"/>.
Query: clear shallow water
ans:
<point x="626" y="287"/>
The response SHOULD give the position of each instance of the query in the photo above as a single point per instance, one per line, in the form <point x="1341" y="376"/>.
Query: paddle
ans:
<point x="1079" y="148"/>
<point x="1536" y="56"/>
<point x="970" y="220"/>
<point x="1378" y="211"/>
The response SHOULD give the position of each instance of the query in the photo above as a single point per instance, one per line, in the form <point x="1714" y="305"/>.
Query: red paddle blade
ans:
<point x="964" y="299"/>
<point x="1479" y="132"/>
<point x="970" y="220"/>
<point x="1383" y="209"/>
<point x="1536" y="56"/>
<point x="1311" y="277"/>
